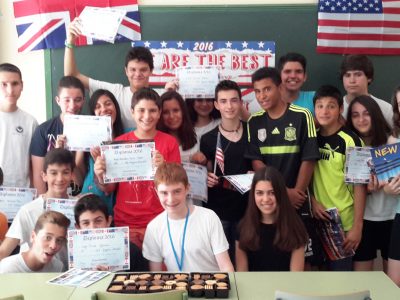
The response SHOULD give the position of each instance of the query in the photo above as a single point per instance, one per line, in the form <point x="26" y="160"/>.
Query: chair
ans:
<point x="16" y="297"/>
<point x="361" y="295"/>
<point x="170" y="295"/>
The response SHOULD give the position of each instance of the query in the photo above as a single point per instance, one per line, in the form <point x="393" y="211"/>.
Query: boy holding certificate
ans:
<point x="184" y="237"/>
<point x="329" y="187"/>
<point x="48" y="237"/>
<point x="91" y="212"/>
<point x="136" y="202"/>
<point x="57" y="173"/>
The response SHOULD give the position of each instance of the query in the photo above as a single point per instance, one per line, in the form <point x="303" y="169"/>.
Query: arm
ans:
<point x="70" y="67"/>
<point x="242" y="264"/>
<point x="99" y="171"/>
<point x="155" y="266"/>
<point x="37" y="168"/>
<point x="257" y="164"/>
<point x="297" y="195"/>
<point x="224" y="262"/>
<point x="80" y="167"/>
<point x="297" y="260"/>
<point x="7" y="246"/>
<point x="353" y="236"/>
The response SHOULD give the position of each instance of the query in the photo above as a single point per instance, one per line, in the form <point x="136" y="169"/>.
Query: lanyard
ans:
<point x="180" y="265"/>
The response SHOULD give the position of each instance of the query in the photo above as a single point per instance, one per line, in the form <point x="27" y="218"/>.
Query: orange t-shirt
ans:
<point x="3" y="226"/>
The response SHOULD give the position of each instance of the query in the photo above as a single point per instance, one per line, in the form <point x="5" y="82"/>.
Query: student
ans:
<point x="138" y="68"/>
<point x="223" y="199"/>
<point x="365" y="118"/>
<point x="357" y="73"/>
<point x="184" y="237"/>
<point x="272" y="236"/>
<point x="57" y="173"/>
<point x="292" y="67"/>
<point x="16" y="129"/>
<point x="70" y="98"/>
<point x="393" y="188"/>
<point x="329" y="187"/>
<point x="91" y="212"/>
<point x="48" y="237"/>
<point x="136" y="202"/>
<point x="101" y="103"/>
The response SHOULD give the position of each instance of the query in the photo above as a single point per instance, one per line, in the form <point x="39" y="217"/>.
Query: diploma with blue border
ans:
<point x="356" y="168"/>
<point x="12" y="198"/>
<point x="241" y="182"/>
<point x="197" y="176"/>
<point x="197" y="81"/>
<point x="90" y="248"/>
<point x="64" y="206"/>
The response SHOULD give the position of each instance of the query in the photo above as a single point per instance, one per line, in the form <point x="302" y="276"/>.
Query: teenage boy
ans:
<point x="16" y="129"/>
<point x="357" y="73"/>
<point x="136" y="202"/>
<point x="70" y="98"/>
<point x="184" y="237"/>
<point x="292" y="67"/>
<point x="329" y="187"/>
<point x="91" y="212"/>
<point x="225" y="201"/>
<point x="57" y="173"/>
<point x="138" y="69"/>
<point x="48" y="237"/>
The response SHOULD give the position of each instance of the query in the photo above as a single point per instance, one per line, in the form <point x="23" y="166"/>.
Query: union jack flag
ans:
<point x="219" y="154"/>
<point x="41" y="24"/>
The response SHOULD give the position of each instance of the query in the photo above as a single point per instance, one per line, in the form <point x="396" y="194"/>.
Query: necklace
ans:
<point x="234" y="130"/>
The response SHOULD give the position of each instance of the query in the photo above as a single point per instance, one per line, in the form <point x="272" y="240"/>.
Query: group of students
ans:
<point x="299" y="170"/>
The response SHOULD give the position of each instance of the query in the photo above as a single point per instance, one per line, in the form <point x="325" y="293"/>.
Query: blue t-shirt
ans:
<point x="305" y="100"/>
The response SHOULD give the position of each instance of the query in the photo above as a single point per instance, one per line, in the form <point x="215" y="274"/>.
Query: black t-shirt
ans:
<point x="227" y="203"/>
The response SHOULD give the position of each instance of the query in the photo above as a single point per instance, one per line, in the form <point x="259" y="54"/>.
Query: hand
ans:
<point x="158" y="159"/>
<point x="74" y="30"/>
<point x="373" y="184"/>
<point x="353" y="238"/>
<point x="172" y="85"/>
<point x="212" y="180"/>
<point x="95" y="152"/>
<point x="393" y="187"/>
<point x="61" y="141"/>
<point x="198" y="158"/>
<point x="296" y="197"/>
<point x="102" y="268"/>
<point x="100" y="168"/>
<point x="319" y="210"/>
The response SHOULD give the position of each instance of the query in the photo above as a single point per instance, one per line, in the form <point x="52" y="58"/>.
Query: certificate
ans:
<point x="197" y="176"/>
<point x="64" y="206"/>
<point x="12" y="198"/>
<point x="77" y="277"/>
<point x="101" y="23"/>
<point x="85" y="132"/>
<point x="90" y="248"/>
<point x="197" y="81"/>
<point x="356" y="167"/>
<point x="128" y="161"/>
<point x="241" y="182"/>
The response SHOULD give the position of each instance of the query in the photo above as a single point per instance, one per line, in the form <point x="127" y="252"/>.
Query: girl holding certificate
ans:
<point x="136" y="201"/>
<point x="102" y="103"/>
<point x="365" y="118"/>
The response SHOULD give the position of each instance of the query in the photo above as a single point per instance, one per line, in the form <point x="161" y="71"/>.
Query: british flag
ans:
<point x="41" y="24"/>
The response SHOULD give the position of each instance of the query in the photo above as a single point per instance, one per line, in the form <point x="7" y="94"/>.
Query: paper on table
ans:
<point x="101" y="23"/>
<point x="77" y="277"/>
<point x="241" y="182"/>
<point x="99" y="247"/>
<point x="197" y="176"/>
<point x="12" y="198"/>
<point x="84" y="132"/>
<point x="197" y="81"/>
<point x="356" y="166"/>
<point x="64" y="206"/>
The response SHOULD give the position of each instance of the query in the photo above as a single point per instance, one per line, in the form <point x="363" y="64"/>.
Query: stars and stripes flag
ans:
<point x="219" y="155"/>
<point x="41" y="24"/>
<point x="359" y="27"/>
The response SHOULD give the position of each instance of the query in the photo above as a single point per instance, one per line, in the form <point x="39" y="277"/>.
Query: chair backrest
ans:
<point x="361" y="295"/>
<point x="16" y="297"/>
<point x="170" y="295"/>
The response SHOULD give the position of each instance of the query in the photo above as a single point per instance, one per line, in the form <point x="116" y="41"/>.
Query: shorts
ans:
<point x="314" y="253"/>
<point x="394" y="248"/>
<point x="375" y="236"/>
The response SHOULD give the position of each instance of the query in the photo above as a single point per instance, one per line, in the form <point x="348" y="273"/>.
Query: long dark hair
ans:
<point x="186" y="133"/>
<point x="396" y="114"/>
<point x="290" y="231"/>
<point x="215" y="114"/>
<point x="380" y="129"/>
<point x="117" y="127"/>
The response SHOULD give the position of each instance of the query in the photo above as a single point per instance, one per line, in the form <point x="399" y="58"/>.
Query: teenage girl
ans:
<point x="365" y="118"/>
<point x="272" y="236"/>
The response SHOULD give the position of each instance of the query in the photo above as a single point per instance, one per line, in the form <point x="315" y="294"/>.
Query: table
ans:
<point x="262" y="285"/>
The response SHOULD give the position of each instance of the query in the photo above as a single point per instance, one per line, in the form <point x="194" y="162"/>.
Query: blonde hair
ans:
<point x="52" y="217"/>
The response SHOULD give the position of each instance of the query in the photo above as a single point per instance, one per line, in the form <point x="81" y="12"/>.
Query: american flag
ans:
<point x="219" y="154"/>
<point x="41" y="24"/>
<point x="359" y="27"/>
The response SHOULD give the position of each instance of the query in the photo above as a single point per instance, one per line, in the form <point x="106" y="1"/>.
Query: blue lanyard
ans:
<point x="180" y="265"/>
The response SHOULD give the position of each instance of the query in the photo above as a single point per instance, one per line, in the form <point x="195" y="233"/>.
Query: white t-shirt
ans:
<point x="16" y="130"/>
<point x="124" y="98"/>
<point x="385" y="107"/>
<point x="186" y="154"/>
<point x="202" y="130"/>
<point x="380" y="206"/>
<point x="16" y="264"/>
<point x="205" y="238"/>
<point x="24" y="223"/>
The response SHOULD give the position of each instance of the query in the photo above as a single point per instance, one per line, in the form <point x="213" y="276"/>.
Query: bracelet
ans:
<point x="68" y="45"/>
